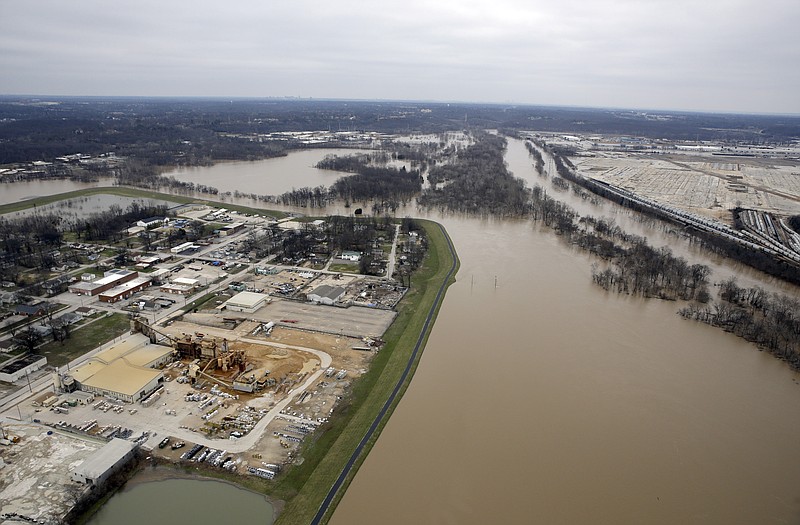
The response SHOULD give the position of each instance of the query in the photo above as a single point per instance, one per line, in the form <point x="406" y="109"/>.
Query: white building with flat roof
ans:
<point x="247" y="302"/>
<point x="98" y="467"/>
<point x="183" y="247"/>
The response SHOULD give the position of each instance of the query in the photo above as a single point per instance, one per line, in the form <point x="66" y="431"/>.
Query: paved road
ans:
<point x="355" y="321"/>
<point x="393" y="253"/>
<point x="326" y="503"/>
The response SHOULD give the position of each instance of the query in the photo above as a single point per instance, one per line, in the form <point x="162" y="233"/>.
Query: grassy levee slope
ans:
<point x="135" y="193"/>
<point x="306" y="486"/>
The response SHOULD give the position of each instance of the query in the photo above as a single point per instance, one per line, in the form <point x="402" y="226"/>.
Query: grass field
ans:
<point x="85" y="339"/>
<point x="305" y="486"/>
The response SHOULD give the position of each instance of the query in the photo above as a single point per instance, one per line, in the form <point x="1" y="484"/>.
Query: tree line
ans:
<point x="385" y="184"/>
<point x="538" y="160"/>
<point x="477" y="181"/>
<point x="772" y="321"/>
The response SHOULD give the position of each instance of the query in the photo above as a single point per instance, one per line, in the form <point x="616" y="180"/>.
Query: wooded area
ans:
<point x="772" y="321"/>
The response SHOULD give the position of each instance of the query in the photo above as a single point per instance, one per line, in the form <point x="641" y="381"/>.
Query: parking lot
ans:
<point x="353" y="321"/>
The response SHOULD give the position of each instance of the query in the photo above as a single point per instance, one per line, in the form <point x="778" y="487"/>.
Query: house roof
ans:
<point x="29" y="309"/>
<point x="85" y="310"/>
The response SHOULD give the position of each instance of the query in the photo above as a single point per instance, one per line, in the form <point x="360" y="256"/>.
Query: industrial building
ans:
<point x="152" y="222"/>
<point x="125" y="290"/>
<point x="22" y="366"/>
<point x="109" y="280"/>
<point x="184" y="247"/>
<point x="247" y="302"/>
<point x="181" y="286"/>
<point x="185" y="281"/>
<point x="98" y="467"/>
<point x="159" y="275"/>
<point x="325" y="294"/>
<point x="125" y="371"/>
<point x="231" y="229"/>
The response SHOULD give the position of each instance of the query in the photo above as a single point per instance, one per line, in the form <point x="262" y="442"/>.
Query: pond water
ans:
<point x="184" y="501"/>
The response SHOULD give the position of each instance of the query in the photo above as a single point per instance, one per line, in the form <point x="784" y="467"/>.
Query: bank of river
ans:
<point x="166" y="495"/>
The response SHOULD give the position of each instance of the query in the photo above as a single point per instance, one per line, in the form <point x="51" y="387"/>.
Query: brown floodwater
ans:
<point x="545" y="399"/>
<point x="269" y="176"/>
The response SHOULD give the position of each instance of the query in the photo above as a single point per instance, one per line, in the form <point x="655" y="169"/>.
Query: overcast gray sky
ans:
<point x="716" y="55"/>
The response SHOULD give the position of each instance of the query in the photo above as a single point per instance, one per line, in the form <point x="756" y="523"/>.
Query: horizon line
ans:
<point x="405" y="101"/>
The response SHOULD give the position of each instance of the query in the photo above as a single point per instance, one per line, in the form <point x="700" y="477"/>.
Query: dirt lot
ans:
<point x="354" y="321"/>
<point x="35" y="483"/>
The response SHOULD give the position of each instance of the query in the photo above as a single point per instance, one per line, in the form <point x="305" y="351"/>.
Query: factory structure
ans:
<point x="326" y="294"/>
<point x="128" y="371"/>
<point x="115" y="285"/>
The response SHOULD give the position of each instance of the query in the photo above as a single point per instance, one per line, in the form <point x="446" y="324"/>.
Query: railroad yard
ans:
<point x="702" y="178"/>
<point x="742" y="193"/>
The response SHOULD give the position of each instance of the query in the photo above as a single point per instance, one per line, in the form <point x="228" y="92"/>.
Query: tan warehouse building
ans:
<point x="125" y="371"/>
<point x="247" y="302"/>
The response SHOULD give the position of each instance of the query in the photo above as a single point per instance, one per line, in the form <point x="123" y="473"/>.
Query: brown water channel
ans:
<point x="547" y="400"/>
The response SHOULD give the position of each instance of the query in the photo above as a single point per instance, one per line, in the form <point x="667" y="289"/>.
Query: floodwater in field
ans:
<point x="184" y="502"/>
<point x="545" y="399"/>
<point x="84" y="206"/>
<point x="11" y="192"/>
<point x="267" y="177"/>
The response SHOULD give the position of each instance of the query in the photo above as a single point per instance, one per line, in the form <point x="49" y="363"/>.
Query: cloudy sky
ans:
<point x="714" y="55"/>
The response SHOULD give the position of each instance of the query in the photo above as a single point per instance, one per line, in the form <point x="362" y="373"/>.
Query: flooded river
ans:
<point x="547" y="400"/>
<point x="541" y="398"/>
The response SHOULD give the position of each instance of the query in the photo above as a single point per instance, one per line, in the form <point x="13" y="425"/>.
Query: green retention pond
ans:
<point x="184" y="501"/>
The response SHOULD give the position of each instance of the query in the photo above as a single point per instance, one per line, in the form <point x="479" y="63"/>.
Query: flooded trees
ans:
<point x="478" y="181"/>
<point x="770" y="321"/>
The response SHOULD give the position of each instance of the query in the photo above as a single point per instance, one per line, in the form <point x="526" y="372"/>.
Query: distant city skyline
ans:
<point x="717" y="56"/>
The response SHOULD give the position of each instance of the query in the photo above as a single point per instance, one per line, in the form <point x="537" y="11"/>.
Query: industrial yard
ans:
<point x="262" y="395"/>
<point x="36" y="467"/>
<point x="247" y="410"/>
<point x="234" y="388"/>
